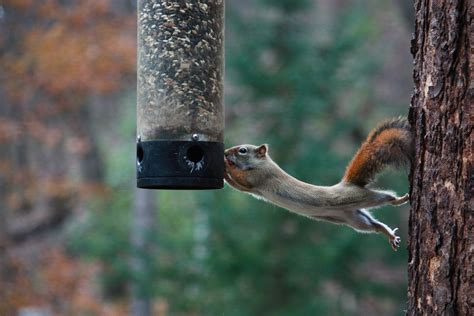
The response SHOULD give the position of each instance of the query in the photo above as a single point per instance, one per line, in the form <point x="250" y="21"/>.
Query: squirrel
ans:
<point x="250" y="169"/>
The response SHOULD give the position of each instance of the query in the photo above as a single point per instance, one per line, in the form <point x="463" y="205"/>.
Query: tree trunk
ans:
<point x="441" y="235"/>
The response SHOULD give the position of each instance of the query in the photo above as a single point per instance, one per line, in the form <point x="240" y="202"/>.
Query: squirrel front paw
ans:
<point x="394" y="240"/>
<point x="400" y="200"/>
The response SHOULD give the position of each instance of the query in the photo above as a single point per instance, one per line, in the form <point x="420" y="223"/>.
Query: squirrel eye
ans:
<point x="242" y="150"/>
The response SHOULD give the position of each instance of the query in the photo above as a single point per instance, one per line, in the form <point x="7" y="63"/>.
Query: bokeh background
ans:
<point x="308" y="77"/>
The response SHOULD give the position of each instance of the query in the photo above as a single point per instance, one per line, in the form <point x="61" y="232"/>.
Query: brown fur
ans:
<point x="238" y="176"/>
<point x="391" y="143"/>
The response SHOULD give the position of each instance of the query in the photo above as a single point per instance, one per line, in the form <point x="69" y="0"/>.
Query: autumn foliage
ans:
<point x="59" y="284"/>
<point x="69" y="49"/>
<point x="59" y="61"/>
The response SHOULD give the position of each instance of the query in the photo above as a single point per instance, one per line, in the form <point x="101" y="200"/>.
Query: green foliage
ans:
<point x="104" y="236"/>
<point x="224" y="253"/>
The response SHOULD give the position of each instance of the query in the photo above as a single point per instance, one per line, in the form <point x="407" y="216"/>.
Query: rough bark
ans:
<point x="441" y="235"/>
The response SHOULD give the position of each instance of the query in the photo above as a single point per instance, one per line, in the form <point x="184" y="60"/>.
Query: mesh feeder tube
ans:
<point x="180" y="94"/>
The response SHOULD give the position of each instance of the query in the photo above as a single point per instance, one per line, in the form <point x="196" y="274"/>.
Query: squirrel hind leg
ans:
<point x="361" y="220"/>
<point x="387" y="197"/>
<point x="400" y="200"/>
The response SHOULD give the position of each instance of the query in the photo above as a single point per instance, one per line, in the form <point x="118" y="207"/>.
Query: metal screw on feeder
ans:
<point x="180" y="94"/>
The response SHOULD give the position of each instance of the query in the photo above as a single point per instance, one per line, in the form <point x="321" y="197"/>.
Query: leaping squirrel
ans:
<point x="250" y="169"/>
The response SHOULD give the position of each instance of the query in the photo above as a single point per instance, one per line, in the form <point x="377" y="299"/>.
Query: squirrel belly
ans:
<point x="250" y="169"/>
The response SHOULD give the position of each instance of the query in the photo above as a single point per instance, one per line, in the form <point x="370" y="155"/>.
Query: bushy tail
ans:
<point x="389" y="144"/>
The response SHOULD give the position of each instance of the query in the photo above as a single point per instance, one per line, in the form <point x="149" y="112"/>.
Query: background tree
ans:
<point x="441" y="243"/>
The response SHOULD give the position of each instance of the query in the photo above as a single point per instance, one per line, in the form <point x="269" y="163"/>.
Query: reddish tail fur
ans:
<point x="389" y="144"/>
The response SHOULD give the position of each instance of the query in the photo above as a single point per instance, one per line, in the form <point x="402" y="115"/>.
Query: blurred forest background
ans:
<point x="308" y="77"/>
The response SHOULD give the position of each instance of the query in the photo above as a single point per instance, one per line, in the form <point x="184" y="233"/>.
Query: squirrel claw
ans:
<point x="394" y="240"/>
<point x="400" y="200"/>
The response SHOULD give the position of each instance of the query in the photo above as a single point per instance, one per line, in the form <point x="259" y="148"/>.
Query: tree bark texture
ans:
<point x="441" y="235"/>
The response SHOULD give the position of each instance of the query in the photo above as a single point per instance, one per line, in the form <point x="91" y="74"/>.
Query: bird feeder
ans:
<point x="180" y="121"/>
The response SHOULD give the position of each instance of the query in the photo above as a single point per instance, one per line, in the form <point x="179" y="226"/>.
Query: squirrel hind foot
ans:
<point x="400" y="200"/>
<point x="394" y="240"/>
<point x="395" y="243"/>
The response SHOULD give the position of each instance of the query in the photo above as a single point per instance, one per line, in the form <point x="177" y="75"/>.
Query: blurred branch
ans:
<point x="142" y="226"/>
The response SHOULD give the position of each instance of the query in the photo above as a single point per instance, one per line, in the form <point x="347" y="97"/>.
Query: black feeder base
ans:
<point x="194" y="165"/>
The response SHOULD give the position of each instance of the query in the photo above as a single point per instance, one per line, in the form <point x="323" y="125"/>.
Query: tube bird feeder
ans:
<point x="180" y="121"/>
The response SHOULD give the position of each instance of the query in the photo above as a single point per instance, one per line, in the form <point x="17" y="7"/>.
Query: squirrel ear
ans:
<point x="261" y="150"/>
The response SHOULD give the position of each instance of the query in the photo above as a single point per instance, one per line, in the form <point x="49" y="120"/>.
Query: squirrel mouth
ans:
<point x="229" y="161"/>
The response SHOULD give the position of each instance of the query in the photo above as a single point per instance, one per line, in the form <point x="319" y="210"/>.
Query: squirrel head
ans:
<point x="243" y="164"/>
<point x="245" y="157"/>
